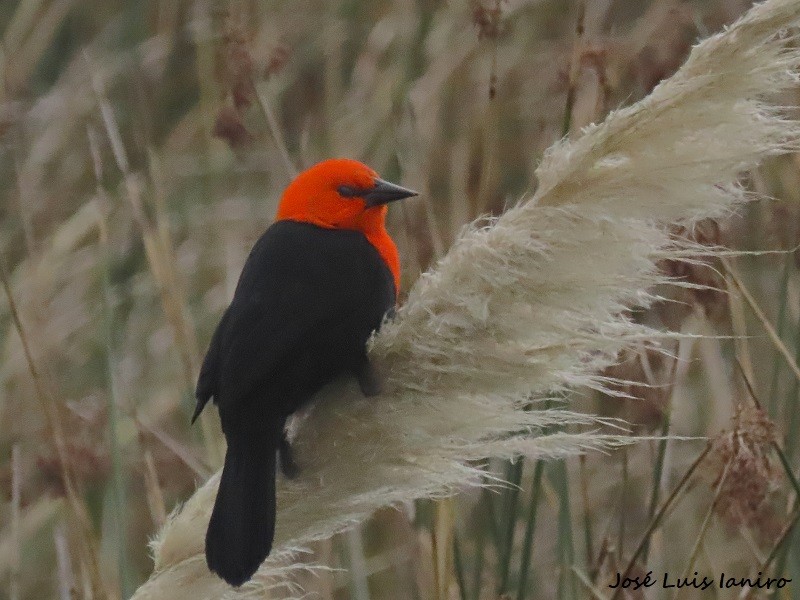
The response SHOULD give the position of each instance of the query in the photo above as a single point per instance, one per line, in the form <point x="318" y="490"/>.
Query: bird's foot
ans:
<point x="368" y="379"/>
<point x="288" y="466"/>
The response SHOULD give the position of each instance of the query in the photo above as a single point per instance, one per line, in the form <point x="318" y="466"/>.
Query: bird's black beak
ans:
<point x="384" y="192"/>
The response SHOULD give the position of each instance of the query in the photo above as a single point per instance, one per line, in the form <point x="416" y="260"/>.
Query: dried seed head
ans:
<point x="277" y="60"/>
<point x="235" y="68"/>
<point x="229" y="127"/>
<point x="487" y="18"/>
<point x="235" y="74"/>
<point x="743" y="469"/>
<point x="88" y="462"/>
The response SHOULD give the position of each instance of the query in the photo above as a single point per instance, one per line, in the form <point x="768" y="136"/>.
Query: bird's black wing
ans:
<point x="207" y="380"/>
<point x="306" y="299"/>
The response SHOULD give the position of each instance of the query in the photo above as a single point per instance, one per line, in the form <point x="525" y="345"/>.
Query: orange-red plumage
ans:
<point x="313" y="198"/>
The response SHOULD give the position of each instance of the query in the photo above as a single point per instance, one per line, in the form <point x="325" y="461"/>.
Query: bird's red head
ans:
<point x="345" y="194"/>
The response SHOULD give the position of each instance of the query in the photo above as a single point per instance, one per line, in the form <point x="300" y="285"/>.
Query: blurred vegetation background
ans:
<point x="144" y="145"/>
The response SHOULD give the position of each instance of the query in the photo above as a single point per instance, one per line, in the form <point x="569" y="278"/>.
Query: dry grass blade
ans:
<point x="155" y="498"/>
<point x="160" y="257"/>
<point x="659" y="516"/>
<point x="88" y="548"/>
<point x="698" y="543"/>
<point x="66" y="578"/>
<point x="528" y="305"/>
<point x="16" y="539"/>
<point x="782" y="537"/>
<point x="587" y="583"/>
<point x="32" y="520"/>
<point x="277" y="134"/>
<point x="773" y="335"/>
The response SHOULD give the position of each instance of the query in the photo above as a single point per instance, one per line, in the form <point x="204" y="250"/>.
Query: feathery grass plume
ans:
<point x="524" y="306"/>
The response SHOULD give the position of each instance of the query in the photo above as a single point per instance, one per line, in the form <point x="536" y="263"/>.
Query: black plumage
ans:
<point x="306" y="303"/>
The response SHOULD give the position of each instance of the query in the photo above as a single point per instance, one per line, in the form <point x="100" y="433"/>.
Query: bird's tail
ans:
<point x="242" y="525"/>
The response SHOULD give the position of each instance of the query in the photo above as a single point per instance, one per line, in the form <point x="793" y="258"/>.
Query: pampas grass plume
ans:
<point x="523" y="307"/>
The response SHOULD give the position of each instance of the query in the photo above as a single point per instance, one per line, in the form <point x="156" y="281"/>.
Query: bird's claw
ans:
<point x="368" y="379"/>
<point x="288" y="466"/>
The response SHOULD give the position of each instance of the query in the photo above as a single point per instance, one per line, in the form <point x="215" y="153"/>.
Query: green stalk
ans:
<point x="659" y="516"/>
<point x="494" y="527"/>
<point x="792" y="407"/>
<point x="776" y="369"/>
<point x="587" y="516"/>
<point x="527" y="544"/>
<point x="698" y="543"/>
<point x="458" y="564"/>
<point x="789" y="534"/>
<point x="623" y="505"/>
<point x="789" y="446"/>
<point x="788" y="470"/>
<point x="565" y="545"/>
<point x="126" y="579"/>
<point x="480" y="543"/>
<point x="514" y="477"/>
<point x="657" y="474"/>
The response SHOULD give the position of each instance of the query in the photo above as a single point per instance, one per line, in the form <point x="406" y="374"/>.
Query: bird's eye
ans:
<point x="348" y="191"/>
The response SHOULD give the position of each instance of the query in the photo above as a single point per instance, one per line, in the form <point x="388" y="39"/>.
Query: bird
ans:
<point x="315" y="286"/>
